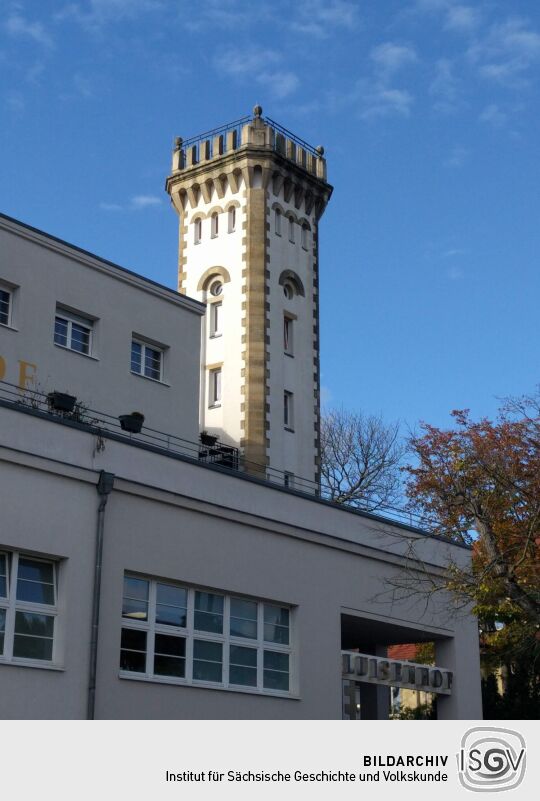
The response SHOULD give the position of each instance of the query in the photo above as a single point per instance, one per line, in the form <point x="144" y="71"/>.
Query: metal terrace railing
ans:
<point x="208" y="451"/>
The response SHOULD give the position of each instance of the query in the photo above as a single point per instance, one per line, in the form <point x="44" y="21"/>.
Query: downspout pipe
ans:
<point x="104" y="488"/>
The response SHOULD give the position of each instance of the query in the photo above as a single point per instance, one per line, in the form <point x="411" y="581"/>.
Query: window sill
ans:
<point x="288" y="428"/>
<point x="215" y="336"/>
<point x="214" y="236"/>
<point x="290" y="355"/>
<point x="214" y="405"/>
<point x="202" y="685"/>
<point x="77" y="352"/>
<point x="148" y="378"/>
<point x="29" y="663"/>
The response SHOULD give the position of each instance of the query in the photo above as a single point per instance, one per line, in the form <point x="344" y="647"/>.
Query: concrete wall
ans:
<point x="45" y="273"/>
<point x="173" y="520"/>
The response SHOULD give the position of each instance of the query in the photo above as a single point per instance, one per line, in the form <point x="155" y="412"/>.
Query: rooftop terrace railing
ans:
<point x="216" y="454"/>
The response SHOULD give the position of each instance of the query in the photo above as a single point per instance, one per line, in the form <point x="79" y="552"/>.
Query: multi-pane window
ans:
<point x="215" y="224"/>
<point x="216" y="310"/>
<point x="27" y="608"/>
<point x="214" y="389"/>
<point x="232" y="219"/>
<point x="288" y="335"/>
<point x="197" y="231"/>
<point x="73" y="332"/>
<point x="196" y="636"/>
<point x="146" y="360"/>
<point x="5" y="306"/>
<point x="288" y="409"/>
<point x="277" y="222"/>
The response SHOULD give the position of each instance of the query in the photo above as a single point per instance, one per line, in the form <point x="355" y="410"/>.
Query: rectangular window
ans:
<point x="215" y="319"/>
<point x="197" y="231"/>
<point x="277" y="222"/>
<point x="215" y="387"/>
<point x="146" y="360"/>
<point x="27" y="608"/>
<point x="73" y="332"/>
<point x="194" y="636"/>
<point x="5" y="306"/>
<point x="214" y="225"/>
<point x="288" y="420"/>
<point x="291" y="229"/>
<point x="232" y="219"/>
<point x="305" y="237"/>
<point x="287" y="335"/>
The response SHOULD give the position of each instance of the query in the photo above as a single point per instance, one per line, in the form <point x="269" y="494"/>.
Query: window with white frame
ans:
<point x="214" y="390"/>
<point x="146" y="360"/>
<point x="287" y="335"/>
<point x="277" y="222"/>
<point x="232" y="219"/>
<point x="291" y="229"/>
<point x="216" y="312"/>
<point x="215" y="224"/>
<point x="196" y="636"/>
<point x="27" y="608"/>
<point x="288" y="410"/>
<point x="73" y="332"/>
<point x="197" y="231"/>
<point x="6" y="301"/>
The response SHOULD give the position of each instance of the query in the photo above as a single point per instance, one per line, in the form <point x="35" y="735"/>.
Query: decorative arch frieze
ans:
<point x="212" y="272"/>
<point x="294" y="279"/>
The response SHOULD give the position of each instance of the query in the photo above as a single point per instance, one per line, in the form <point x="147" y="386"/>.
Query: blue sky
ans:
<point x="428" y="111"/>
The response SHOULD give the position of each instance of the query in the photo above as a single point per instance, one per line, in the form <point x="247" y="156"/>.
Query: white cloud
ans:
<point x="144" y="201"/>
<point x="390" y="57"/>
<point x="319" y="17"/>
<point x="110" y="207"/>
<point x="454" y="273"/>
<point x="264" y="66"/>
<point x="98" y="13"/>
<point x="383" y="101"/>
<point x="457" y="158"/>
<point x="493" y="115"/>
<point x="15" y="102"/>
<point x="17" y="26"/>
<point x="444" y="87"/>
<point x="507" y="52"/>
<point x="462" y="19"/>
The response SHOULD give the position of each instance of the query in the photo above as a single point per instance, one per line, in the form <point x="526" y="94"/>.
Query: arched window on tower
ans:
<point x="215" y="224"/>
<point x="197" y="231"/>
<point x="232" y="219"/>
<point x="305" y="233"/>
<point x="291" y="229"/>
<point x="277" y="222"/>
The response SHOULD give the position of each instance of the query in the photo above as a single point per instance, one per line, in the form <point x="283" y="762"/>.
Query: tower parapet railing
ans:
<point x="248" y="131"/>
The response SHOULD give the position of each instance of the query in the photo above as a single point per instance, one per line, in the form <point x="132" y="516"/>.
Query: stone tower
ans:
<point x="250" y="196"/>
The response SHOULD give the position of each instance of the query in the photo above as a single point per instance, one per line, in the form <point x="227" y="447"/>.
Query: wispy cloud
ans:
<point x="376" y="100"/>
<point x="389" y="57"/>
<point x="320" y="18"/>
<point x="457" y="158"/>
<point x="136" y="203"/>
<point x="454" y="273"/>
<point x="19" y="27"/>
<point x="265" y="66"/>
<point x="462" y="19"/>
<point x="507" y="52"/>
<point x="97" y="14"/>
<point x="444" y="88"/>
<point x="493" y="115"/>
<point x="15" y="102"/>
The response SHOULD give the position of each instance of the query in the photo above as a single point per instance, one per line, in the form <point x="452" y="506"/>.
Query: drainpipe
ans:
<point x="104" y="488"/>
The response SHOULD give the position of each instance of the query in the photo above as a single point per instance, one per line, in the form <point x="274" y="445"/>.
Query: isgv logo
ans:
<point x="491" y="759"/>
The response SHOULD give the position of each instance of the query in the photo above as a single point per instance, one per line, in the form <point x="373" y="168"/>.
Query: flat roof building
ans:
<point x="167" y="555"/>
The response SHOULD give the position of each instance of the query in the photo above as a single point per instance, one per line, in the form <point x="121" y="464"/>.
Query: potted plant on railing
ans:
<point x="131" y="422"/>
<point x="208" y="439"/>
<point x="61" y="401"/>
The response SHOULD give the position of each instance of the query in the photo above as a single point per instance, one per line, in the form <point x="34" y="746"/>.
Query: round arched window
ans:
<point x="288" y="290"/>
<point x="216" y="288"/>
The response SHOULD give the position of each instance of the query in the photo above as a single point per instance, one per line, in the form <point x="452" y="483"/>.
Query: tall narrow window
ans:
<point x="197" y="231"/>
<point x="288" y="479"/>
<point x="5" y="306"/>
<point x="288" y="410"/>
<point x="305" y="237"/>
<point x="215" y="225"/>
<point x="287" y="335"/>
<point x="277" y="222"/>
<point x="215" y="387"/>
<point x="215" y="319"/>
<point x="232" y="219"/>
<point x="291" y="229"/>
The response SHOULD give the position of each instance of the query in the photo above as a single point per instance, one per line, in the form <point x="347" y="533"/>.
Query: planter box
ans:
<point x="131" y="422"/>
<point x="61" y="401"/>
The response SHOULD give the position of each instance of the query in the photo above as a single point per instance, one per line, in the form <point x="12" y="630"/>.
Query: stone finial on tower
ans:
<point x="257" y="112"/>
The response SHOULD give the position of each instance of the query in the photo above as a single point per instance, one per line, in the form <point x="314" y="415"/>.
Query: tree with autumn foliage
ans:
<point x="478" y="483"/>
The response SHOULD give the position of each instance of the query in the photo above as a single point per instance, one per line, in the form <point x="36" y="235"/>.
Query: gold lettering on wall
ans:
<point x="27" y="373"/>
